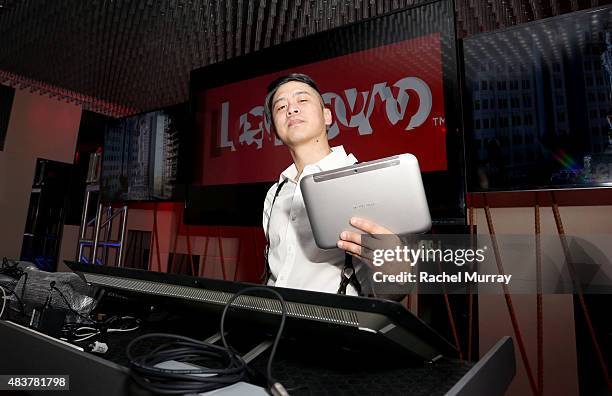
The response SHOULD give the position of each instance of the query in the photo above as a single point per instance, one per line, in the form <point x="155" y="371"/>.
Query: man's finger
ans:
<point x="350" y="247"/>
<point x="368" y="226"/>
<point x="359" y="239"/>
<point x="350" y="236"/>
<point x="363" y="252"/>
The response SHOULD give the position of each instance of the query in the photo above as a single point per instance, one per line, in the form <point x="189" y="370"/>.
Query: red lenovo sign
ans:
<point x="385" y="101"/>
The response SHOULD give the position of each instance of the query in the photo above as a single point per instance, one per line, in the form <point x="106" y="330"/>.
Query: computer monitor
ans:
<point x="354" y="321"/>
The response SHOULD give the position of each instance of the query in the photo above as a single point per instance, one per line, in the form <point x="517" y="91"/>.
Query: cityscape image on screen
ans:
<point x="540" y="104"/>
<point x="141" y="157"/>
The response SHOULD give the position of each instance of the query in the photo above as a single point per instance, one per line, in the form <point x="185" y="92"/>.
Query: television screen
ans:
<point x="539" y="104"/>
<point x="145" y="156"/>
<point x="390" y="91"/>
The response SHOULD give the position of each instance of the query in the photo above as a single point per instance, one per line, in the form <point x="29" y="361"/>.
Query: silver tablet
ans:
<point x="388" y="191"/>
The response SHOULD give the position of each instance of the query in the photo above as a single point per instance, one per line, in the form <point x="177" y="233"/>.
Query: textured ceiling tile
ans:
<point x="136" y="55"/>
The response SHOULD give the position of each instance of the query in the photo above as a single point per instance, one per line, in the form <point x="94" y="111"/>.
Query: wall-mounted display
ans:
<point x="145" y="156"/>
<point x="539" y="104"/>
<point x="391" y="90"/>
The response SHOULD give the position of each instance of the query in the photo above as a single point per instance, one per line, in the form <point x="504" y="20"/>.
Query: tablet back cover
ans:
<point x="387" y="191"/>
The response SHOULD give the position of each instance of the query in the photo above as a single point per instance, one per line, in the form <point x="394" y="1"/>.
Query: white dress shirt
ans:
<point x="294" y="258"/>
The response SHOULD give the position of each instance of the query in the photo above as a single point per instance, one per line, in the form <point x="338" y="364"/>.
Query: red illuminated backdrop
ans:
<point x="386" y="100"/>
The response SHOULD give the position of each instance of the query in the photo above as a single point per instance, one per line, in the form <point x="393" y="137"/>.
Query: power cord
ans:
<point x="231" y="368"/>
<point x="275" y="387"/>
<point x="76" y="332"/>
<point x="53" y="287"/>
<point x="180" y="381"/>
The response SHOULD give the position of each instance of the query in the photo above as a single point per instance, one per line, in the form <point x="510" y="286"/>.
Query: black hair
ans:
<point x="274" y="85"/>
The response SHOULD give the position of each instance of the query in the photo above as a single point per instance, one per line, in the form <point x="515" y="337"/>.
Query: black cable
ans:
<point x="267" y="270"/>
<point x="77" y="331"/>
<point x="111" y="322"/>
<point x="11" y="268"/>
<point x="53" y="287"/>
<point x="184" y="349"/>
<point x="281" y="327"/>
<point x="22" y="307"/>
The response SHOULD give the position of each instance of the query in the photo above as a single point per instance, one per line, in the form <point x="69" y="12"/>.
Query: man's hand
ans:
<point x="351" y="241"/>
<point x="363" y="248"/>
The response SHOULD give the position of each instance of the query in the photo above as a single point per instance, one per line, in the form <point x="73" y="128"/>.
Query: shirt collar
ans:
<point x="333" y="160"/>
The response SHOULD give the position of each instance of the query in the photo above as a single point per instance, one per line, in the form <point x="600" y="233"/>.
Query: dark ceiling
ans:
<point x="125" y="56"/>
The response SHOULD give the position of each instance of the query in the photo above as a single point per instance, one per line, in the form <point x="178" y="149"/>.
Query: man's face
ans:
<point x="298" y="115"/>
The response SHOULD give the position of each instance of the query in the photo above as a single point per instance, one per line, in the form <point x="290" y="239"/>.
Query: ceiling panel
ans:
<point x="124" y="56"/>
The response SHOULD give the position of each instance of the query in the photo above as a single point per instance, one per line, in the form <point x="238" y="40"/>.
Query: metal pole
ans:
<point x="122" y="236"/>
<point x="96" y="234"/>
<point x="109" y="213"/>
<point x="83" y="229"/>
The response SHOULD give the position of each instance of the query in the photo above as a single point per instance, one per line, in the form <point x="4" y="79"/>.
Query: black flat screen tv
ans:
<point x="146" y="156"/>
<point x="539" y="104"/>
<point x="391" y="83"/>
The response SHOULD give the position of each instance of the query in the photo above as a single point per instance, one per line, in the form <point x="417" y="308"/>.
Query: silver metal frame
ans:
<point x="106" y="215"/>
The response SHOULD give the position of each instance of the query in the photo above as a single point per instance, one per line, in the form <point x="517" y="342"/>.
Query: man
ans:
<point x="298" y="117"/>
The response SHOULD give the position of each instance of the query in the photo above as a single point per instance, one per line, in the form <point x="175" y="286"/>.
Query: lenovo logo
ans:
<point x="353" y="109"/>
<point x="364" y="205"/>
<point x="347" y="114"/>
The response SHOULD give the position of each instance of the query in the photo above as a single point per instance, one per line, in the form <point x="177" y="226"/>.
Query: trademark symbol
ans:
<point x="438" y="121"/>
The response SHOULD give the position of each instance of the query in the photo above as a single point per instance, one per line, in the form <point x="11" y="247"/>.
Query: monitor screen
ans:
<point x="145" y="156"/>
<point x="539" y="104"/>
<point x="391" y="90"/>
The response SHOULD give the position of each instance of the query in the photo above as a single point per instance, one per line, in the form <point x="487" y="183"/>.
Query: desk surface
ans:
<point x="308" y="367"/>
<point x="298" y="366"/>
